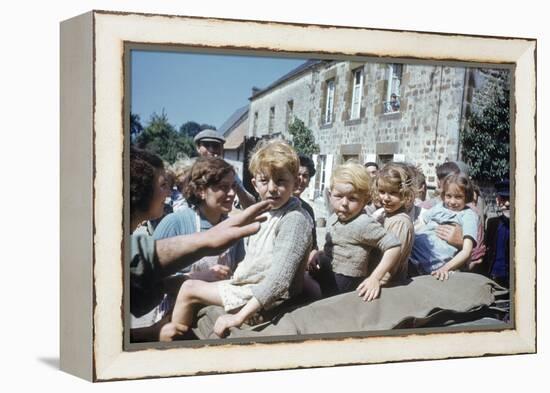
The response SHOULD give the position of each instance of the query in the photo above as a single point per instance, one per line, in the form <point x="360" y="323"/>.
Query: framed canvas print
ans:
<point x="246" y="195"/>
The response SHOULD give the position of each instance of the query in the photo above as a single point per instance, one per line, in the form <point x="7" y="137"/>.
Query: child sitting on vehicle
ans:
<point x="432" y="255"/>
<point x="273" y="267"/>
<point x="395" y="188"/>
<point x="351" y="236"/>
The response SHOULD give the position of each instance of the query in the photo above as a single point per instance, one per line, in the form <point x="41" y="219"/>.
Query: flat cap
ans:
<point x="209" y="136"/>
<point x="503" y="188"/>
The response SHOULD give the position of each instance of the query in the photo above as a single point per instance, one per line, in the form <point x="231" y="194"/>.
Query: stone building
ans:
<point x="369" y="112"/>
<point x="234" y="129"/>
<point x="365" y="111"/>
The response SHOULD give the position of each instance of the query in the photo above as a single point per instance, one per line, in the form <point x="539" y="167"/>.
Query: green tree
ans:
<point x="161" y="138"/>
<point x="192" y="128"/>
<point x="135" y="125"/>
<point x="302" y="138"/>
<point x="485" y="139"/>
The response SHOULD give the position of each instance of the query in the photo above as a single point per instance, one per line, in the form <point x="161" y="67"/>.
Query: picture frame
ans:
<point x="92" y="196"/>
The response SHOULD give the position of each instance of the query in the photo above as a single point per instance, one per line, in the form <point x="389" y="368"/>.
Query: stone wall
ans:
<point x="425" y="131"/>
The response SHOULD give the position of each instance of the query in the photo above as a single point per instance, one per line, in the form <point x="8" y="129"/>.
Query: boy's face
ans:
<point x="346" y="202"/>
<point x="454" y="198"/>
<point x="276" y="188"/>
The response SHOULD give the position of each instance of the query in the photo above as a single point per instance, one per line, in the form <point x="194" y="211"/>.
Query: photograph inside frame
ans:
<point x="295" y="197"/>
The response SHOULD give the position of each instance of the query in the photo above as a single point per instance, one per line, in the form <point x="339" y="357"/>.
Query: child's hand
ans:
<point x="314" y="260"/>
<point x="369" y="289"/>
<point x="226" y="321"/>
<point x="172" y="331"/>
<point x="214" y="273"/>
<point x="442" y="273"/>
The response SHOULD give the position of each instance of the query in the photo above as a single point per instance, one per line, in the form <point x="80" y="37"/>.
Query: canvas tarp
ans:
<point x="423" y="300"/>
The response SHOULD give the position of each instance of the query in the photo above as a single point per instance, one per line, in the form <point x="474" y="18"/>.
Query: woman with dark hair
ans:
<point x="209" y="191"/>
<point x="148" y="187"/>
<point x="152" y="262"/>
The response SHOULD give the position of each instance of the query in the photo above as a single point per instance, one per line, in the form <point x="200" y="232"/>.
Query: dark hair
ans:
<point x="446" y="169"/>
<point x="143" y="170"/>
<point x="419" y="179"/>
<point x="308" y="163"/>
<point x="370" y="163"/>
<point x="205" y="172"/>
<point x="462" y="181"/>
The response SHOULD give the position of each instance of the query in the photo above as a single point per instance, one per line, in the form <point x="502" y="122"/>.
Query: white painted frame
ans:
<point x="92" y="140"/>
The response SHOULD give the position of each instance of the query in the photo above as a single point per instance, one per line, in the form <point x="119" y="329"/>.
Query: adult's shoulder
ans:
<point x="181" y="222"/>
<point x="307" y="207"/>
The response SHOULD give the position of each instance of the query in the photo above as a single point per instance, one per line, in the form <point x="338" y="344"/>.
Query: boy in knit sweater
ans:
<point x="351" y="237"/>
<point x="272" y="270"/>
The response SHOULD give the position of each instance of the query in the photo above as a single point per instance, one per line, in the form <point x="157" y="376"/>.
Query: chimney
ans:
<point x="255" y="90"/>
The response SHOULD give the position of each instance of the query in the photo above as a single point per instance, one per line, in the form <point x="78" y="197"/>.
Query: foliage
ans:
<point x="135" y="125"/>
<point x="302" y="138"/>
<point x="486" y="138"/>
<point x="192" y="128"/>
<point x="161" y="138"/>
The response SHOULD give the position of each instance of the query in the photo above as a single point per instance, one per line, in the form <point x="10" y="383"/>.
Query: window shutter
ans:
<point x="328" y="169"/>
<point x="313" y="180"/>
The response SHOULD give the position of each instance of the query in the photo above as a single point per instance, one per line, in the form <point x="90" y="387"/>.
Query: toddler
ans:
<point x="351" y="236"/>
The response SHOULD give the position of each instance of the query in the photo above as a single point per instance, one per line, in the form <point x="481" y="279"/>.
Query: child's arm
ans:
<point x="314" y="260"/>
<point x="227" y="321"/>
<point x="369" y="289"/>
<point x="458" y="260"/>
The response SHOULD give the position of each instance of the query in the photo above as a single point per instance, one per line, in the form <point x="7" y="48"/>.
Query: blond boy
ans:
<point x="272" y="270"/>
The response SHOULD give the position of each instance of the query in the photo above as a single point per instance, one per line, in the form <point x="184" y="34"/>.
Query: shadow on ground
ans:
<point x="51" y="362"/>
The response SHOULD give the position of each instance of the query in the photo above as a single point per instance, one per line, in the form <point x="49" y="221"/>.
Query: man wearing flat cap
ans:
<point x="497" y="237"/>
<point x="209" y="143"/>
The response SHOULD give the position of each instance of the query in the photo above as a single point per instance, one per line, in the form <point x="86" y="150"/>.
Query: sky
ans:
<point x="204" y="88"/>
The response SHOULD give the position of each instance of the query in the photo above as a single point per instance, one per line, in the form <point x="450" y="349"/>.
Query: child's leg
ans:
<point x="325" y="278"/>
<point x="312" y="289"/>
<point x="191" y="293"/>
<point x="347" y="283"/>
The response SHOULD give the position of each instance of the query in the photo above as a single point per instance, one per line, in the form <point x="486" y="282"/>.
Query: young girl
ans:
<point x="351" y="236"/>
<point x="395" y="189"/>
<point x="430" y="254"/>
<point x="272" y="270"/>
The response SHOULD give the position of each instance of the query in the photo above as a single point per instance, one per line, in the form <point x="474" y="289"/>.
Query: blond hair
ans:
<point x="399" y="177"/>
<point x="273" y="156"/>
<point x="181" y="169"/>
<point x="355" y="174"/>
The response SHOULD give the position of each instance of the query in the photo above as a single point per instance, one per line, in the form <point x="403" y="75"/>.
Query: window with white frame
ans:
<point x="392" y="101"/>
<point x="329" y="102"/>
<point x="289" y="112"/>
<point x="356" y="93"/>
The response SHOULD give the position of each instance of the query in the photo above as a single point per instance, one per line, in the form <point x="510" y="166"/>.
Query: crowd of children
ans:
<point x="365" y="249"/>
